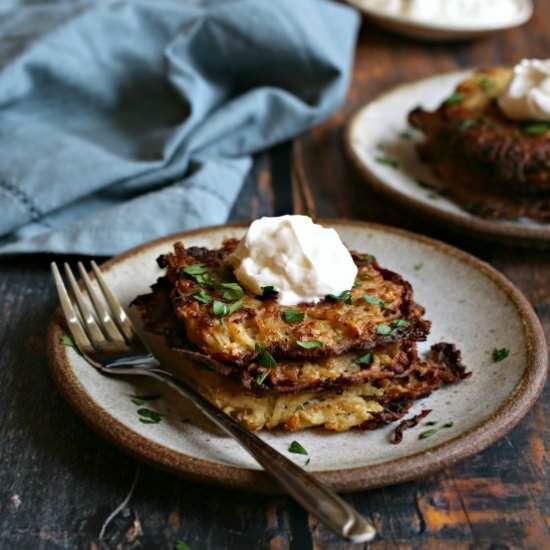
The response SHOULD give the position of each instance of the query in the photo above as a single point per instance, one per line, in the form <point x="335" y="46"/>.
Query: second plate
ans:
<point x="379" y="131"/>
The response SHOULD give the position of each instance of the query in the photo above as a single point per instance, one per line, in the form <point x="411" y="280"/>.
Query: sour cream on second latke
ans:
<point x="302" y="260"/>
<point x="528" y="94"/>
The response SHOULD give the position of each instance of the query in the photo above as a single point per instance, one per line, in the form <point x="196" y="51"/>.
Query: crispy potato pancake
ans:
<point x="229" y="325"/>
<point x="493" y="166"/>
<point x="396" y="359"/>
<point x="361" y="376"/>
<point x="365" y="405"/>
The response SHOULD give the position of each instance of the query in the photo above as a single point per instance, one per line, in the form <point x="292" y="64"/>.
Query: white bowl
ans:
<point x="440" y="30"/>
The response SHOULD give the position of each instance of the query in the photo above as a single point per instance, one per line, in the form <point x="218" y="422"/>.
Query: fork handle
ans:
<point x="314" y="496"/>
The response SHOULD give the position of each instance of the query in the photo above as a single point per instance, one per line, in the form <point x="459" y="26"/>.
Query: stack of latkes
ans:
<point x="494" y="167"/>
<point x="347" y="361"/>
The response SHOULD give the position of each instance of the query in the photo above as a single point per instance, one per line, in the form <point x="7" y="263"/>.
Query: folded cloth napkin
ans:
<point x="122" y="121"/>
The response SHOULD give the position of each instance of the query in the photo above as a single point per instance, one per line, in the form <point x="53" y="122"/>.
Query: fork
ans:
<point x="108" y="340"/>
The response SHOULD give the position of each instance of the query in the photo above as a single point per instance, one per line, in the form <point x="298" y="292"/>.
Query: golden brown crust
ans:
<point x="382" y="311"/>
<point x="366" y="405"/>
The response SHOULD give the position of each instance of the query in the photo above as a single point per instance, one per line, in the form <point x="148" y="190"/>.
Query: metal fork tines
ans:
<point x="96" y="325"/>
<point x="105" y="336"/>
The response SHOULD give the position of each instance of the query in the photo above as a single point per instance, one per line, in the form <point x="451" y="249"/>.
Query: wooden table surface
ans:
<point x="59" y="481"/>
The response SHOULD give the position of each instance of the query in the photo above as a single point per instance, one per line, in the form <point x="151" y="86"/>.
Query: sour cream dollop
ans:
<point x="528" y="94"/>
<point x="457" y="12"/>
<point x="304" y="261"/>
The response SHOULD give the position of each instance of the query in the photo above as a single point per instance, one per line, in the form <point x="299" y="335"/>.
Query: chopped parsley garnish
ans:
<point x="232" y="291"/>
<point x="180" y="545"/>
<point x="222" y="309"/>
<point x="292" y="316"/>
<point x="357" y="284"/>
<point x="384" y="330"/>
<point x="537" y="128"/>
<point x="199" y="272"/>
<point x="427" y="433"/>
<point x="457" y="97"/>
<point x="195" y="269"/>
<point x="374" y="300"/>
<point x="141" y="399"/>
<point x="147" y="416"/>
<point x="295" y="447"/>
<point x="307" y="462"/>
<point x="309" y="344"/>
<point x="260" y="379"/>
<point x="265" y="358"/>
<point x="418" y="266"/>
<point x="66" y="340"/>
<point x="400" y="323"/>
<point x="499" y="354"/>
<point x="448" y="424"/>
<point x="406" y="134"/>
<point x="425" y="184"/>
<point x="368" y="258"/>
<point x="467" y="123"/>
<point x="202" y="296"/>
<point x="486" y="83"/>
<point x="366" y="359"/>
<point x="388" y="162"/>
<point x="431" y="423"/>
<point x="343" y="296"/>
<point x="269" y="292"/>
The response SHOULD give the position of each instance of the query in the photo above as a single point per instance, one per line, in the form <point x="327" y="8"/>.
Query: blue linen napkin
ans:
<point x="122" y="121"/>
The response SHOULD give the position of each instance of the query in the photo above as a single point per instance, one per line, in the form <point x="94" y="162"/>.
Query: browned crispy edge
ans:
<point x="417" y="329"/>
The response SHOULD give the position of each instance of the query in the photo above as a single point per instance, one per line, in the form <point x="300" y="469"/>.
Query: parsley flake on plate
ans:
<point x="141" y="399"/>
<point x="147" y="416"/>
<point x="427" y="433"/>
<point x="296" y="448"/>
<point x="499" y="354"/>
<point x="388" y="162"/>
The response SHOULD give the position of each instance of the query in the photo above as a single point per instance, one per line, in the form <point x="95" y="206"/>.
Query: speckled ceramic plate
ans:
<point x="442" y="30"/>
<point x="469" y="303"/>
<point x="379" y="130"/>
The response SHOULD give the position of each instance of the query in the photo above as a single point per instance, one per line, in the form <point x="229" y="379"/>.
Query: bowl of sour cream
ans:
<point x="441" y="20"/>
